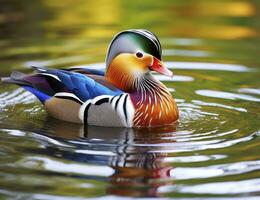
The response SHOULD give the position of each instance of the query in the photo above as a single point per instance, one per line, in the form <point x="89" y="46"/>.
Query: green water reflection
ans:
<point x="212" y="48"/>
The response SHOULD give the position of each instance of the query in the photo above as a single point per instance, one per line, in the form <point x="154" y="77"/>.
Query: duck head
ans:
<point x="131" y="56"/>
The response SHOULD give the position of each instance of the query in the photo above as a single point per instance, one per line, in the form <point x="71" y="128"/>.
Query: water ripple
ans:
<point x="207" y="66"/>
<point x="200" y="147"/>
<point x="16" y="96"/>
<point x="218" y="105"/>
<point x="227" y="187"/>
<point x="41" y="163"/>
<point x="226" y="95"/>
<point x="183" y="173"/>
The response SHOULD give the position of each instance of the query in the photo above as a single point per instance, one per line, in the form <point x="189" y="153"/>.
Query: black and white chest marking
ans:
<point x="105" y="110"/>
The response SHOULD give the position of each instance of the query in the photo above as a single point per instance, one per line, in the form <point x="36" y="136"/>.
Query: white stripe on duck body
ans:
<point x="125" y="95"/>
<point x="116" y="111"/>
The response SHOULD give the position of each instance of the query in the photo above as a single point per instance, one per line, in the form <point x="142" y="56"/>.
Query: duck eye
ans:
<point x="139" y="55"/>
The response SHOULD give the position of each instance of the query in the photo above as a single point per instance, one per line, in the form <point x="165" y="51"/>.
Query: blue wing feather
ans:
<point x="45" y="83"/>
<point x="86" y="70"/>
<point x="40" y="95"/>
<point x="83" y="86"/>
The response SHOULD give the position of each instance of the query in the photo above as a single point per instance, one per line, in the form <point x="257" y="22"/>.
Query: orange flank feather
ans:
<point x="155" y="108"/>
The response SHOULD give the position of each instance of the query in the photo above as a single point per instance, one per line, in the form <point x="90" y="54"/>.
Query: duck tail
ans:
<point x="15" y="78"/>
<point x="21" y="79"/>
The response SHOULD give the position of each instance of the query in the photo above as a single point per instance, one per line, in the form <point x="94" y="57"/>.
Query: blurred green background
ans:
<point x="80" y="30"/>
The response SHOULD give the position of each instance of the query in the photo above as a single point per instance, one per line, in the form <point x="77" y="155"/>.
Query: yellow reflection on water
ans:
<point x="216" y="19"/>
<point x="225" y="32"/>
<point x="93" y="18"/>
<point x="241" y="9"/>
<point x="213" y="31"/>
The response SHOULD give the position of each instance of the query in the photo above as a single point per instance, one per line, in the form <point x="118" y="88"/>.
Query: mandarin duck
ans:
<point x="125" y="94"/>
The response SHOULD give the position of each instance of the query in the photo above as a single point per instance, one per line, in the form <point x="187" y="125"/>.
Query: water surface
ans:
<point x="213" y="151"/>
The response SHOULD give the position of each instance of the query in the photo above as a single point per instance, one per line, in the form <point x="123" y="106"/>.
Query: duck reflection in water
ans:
<point x="136" y="155"/>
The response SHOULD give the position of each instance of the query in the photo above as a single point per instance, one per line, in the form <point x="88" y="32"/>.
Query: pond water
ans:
<point x="213" y="152"/>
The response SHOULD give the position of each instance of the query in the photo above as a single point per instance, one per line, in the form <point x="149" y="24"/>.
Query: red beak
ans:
<point x="158" y="66"/>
